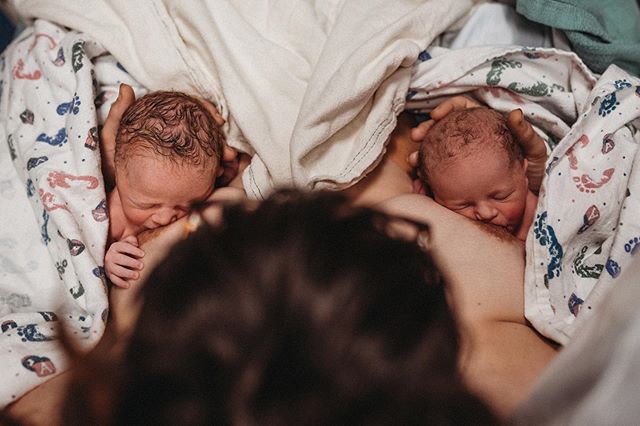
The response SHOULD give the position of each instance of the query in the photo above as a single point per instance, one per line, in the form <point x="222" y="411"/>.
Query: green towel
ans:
<point x="601" y="32"/>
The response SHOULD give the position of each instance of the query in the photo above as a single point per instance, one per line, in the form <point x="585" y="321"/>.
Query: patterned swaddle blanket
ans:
<point x="587" y="226"/>
<point x="53" y="217"/>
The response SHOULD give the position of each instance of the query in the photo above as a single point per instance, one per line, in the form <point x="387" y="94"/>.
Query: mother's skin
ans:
<point x="502" y="356"/>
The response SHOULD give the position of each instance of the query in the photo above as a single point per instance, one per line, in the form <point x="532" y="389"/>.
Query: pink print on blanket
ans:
<point x="584" y="182"/>
<point x="590" y="193"/>
<point x="55" y="244"/>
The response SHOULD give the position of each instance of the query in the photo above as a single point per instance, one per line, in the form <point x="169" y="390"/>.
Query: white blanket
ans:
<point x="587" y="226"/>
<point x="52" y="208"/>
<point x="312" y="88"/>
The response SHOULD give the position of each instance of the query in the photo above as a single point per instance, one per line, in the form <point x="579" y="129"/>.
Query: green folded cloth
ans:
<point x="601" y="32"/>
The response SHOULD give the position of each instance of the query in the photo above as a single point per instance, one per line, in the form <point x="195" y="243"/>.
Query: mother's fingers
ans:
<point x="535" y="150"/>
<point x="528" y="139"/>
<point x="419" y="132"/>
<point x="213" y="111"/>
<point x="452" y="104"/>
<point x="126" y="97"/>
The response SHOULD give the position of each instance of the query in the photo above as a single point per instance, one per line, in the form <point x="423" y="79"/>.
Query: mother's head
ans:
<point x="301" y="311"/>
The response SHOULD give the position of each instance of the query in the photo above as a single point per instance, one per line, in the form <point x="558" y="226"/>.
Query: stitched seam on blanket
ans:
<point x="362" y="153"/>
<point x="255" y="185"/>
<point x="189" y="69"/>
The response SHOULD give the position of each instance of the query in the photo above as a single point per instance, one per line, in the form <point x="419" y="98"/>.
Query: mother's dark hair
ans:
<point x="302" y="311"/>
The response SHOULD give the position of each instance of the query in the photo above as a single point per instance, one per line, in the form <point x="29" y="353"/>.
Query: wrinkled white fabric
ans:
<point x="311" y="88"/>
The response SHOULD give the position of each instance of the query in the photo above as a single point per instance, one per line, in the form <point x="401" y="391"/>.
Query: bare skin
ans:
<point x="502" y="355"/>
<point x="43" y="404"/>
<point x="124" y="303"/>
<point x="393" y="175"/>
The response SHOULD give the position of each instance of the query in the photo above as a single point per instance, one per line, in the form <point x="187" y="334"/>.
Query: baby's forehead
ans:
<point x="475" y="160"/>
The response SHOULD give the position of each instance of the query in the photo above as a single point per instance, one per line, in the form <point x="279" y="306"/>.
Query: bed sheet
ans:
<point x="586" y="228"/>
<point x="311" y="98"/>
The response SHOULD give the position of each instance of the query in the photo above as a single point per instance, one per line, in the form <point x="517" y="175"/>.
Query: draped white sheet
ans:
<point x="311" y="87"/>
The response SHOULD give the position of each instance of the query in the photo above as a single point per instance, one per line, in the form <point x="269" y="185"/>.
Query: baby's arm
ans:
<point x="122" y="261"/>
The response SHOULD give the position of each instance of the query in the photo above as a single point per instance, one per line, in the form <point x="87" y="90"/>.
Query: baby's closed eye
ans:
<point x="458" y="207"/>
<point x="501" y="196"/>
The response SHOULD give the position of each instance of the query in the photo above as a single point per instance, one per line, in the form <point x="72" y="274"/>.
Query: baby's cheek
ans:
<point x="137" y="217"/>
<point x="180" y="214"/>
<point x="513" y="213"/>
<point x="468" y="213"/>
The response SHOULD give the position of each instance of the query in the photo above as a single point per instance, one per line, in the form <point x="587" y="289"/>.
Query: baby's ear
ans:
<point x="525" y="165"/>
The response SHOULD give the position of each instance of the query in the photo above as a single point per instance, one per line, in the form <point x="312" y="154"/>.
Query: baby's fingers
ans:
<point x="131" y="239"/>
<point x="119" y="282"/>
<point x="129" y="262"/>
<point x="130" y="250"/>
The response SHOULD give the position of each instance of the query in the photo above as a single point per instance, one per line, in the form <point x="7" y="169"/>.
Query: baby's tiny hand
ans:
<point x="122" y="261"/>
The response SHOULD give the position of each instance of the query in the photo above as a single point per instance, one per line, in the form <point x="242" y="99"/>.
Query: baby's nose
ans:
<point x="485" y="212"/>
<point x="165" y="216"/>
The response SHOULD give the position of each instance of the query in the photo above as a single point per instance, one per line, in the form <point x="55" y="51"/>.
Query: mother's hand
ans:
<point x="125" y="98"/>
<point x="533" y="145"/>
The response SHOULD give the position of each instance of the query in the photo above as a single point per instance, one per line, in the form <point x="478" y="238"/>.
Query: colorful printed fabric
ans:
<point x="585" y="230"/>
<point x="53" y="211"/>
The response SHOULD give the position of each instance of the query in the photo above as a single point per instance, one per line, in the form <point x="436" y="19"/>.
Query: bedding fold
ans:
<point x="311" y="89"/>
